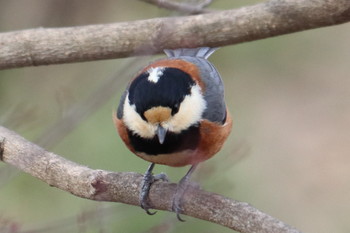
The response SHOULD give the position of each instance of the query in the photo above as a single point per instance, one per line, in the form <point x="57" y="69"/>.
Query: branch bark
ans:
<point x="41" y="46"/>
<point x="124" y="187"/>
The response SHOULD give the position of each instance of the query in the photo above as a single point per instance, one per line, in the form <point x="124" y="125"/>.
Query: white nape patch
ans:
<point x="190" y="111"/>
<point x="155" y="74"/>
<point x="135" y="123"/>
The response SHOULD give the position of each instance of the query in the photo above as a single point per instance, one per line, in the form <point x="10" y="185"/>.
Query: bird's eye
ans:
<point x="175" y="109"/>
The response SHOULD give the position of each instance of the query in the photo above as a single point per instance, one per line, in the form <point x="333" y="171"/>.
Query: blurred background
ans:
<point x="288" y="154"/>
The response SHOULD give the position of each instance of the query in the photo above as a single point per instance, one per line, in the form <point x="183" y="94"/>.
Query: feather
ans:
<point x="202" y="52"/>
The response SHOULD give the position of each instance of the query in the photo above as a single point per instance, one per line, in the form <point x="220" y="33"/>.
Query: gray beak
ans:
<point x="161" y="132"/>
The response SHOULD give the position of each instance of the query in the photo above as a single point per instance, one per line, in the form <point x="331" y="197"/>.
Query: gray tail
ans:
<point x="203" y="52"/>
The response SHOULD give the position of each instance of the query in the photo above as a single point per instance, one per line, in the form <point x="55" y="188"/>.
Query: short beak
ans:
<point x="161" y="132"/>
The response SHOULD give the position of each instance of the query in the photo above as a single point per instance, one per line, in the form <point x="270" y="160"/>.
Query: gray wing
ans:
<point x="202" y="52"/>
<point x="120" y="108"/>
<point x="214" y="91"/>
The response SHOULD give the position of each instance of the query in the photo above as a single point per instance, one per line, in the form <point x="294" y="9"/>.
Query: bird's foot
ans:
<point x="180" y="191"/>
<point x="177" y="205"/>
<point x="148" y="180"/>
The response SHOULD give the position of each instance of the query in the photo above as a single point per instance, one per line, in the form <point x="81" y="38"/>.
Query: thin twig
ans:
<point x="124" y="187"/>
<point x="182" y="7"/>
<point x="81" y="110"/>
<point x="75" y="44"/>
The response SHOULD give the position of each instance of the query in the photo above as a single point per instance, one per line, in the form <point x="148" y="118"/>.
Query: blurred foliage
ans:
<point x="287" y="155"/>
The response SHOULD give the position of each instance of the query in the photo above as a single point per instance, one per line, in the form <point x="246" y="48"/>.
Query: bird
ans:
<point x="173" y="112"/>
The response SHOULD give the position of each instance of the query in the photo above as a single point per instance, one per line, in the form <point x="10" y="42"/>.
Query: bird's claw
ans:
<point x="161" y="176"/>
<point x="148" y="180"/>
<point x="180" y="191"/>
<point x="146" y="207"/>
<point x="177" y="208"/>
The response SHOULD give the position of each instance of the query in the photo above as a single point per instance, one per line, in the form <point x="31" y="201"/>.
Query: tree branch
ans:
<point x="64" y="45"/>
<point x="124" y="187"/>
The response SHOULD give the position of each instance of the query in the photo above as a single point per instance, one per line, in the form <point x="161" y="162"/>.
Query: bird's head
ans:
<point x="162" y="100"/>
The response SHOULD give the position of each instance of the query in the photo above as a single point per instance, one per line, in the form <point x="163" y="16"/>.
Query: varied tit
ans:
<point x="173" y="112"/>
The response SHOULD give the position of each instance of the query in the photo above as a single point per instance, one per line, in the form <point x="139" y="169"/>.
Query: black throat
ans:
<point x="185" y="140"/>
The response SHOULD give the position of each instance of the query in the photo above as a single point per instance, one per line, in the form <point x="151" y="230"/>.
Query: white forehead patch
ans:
<point x="155" y="74"/>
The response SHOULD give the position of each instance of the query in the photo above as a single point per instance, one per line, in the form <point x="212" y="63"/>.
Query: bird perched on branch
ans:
<point x="173" y="113"/>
